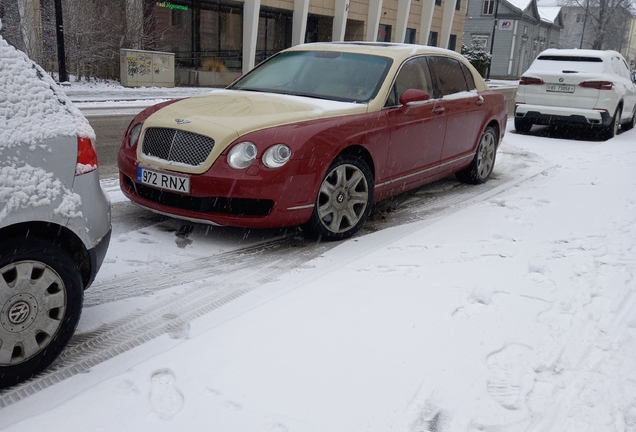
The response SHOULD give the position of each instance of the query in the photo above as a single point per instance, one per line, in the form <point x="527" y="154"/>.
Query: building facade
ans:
<point x="521" y="31"/>
<point x="239" y="34"/>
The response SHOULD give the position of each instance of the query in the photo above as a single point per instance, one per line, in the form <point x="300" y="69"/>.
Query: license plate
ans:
<point x="560" y="88"/>
<point x="163" y="181"/>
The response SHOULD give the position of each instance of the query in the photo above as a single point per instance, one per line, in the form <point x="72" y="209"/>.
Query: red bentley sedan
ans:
<point x="313" y="136"/>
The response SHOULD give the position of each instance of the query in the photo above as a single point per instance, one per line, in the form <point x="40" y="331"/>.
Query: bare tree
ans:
<point x="605" y="23"/>
<point x="95" y="30"/>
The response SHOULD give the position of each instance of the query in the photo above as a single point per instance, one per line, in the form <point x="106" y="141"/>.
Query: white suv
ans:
<point x="577" y="87"/>
<point x="54" y="217"/>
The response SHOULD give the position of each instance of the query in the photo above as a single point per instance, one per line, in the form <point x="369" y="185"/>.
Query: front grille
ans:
<point x="177" y="145"/>
<point x="231" y="206"/>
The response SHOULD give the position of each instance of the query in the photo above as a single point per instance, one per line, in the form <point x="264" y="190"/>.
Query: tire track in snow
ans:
<point x="235" y="274"/>
<point x="168" y="315"/>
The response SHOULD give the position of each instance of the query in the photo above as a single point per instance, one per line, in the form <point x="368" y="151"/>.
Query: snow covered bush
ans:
<point x="477" y="55"/>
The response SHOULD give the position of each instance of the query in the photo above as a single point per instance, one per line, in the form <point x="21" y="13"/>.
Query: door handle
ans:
<point x="480" y="100"/>
<point x="439" y="110"/>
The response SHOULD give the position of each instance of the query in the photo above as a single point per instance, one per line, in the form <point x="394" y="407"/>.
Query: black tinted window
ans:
<point x="570" y="58"/>
<point x="414" y="74"/>
<point x="470" y="81"/>
<point x="449" y="75"/>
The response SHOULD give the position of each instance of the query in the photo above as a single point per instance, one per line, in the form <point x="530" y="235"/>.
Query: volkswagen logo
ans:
<point x="19" y="312"/>
<point x="182" y="121"/>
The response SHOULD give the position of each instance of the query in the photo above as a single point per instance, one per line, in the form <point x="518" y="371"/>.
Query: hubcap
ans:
<point x="33" y="305"/>
<point x="343" y="198"/>
<point x="19" y="312"/>
<point x="486" y="155"/>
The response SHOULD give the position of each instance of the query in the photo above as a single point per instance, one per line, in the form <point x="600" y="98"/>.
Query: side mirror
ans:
<point x="414" y="95"/>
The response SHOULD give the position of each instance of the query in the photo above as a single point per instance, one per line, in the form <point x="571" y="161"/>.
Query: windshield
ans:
<point x="347" y="77"/>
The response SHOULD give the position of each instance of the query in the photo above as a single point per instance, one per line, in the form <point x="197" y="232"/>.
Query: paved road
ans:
<point x="109" y="130"/>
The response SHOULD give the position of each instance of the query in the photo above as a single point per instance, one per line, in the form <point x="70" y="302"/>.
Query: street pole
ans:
<point x="59" y="32"/>
<point x="492" y="40"/>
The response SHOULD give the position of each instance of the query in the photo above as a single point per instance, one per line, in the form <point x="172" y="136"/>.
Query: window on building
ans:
<point x="409" y="37"/>
<point x="177" y="18"/>
<point x="579" y="18"/>
<point x="458" y="5"/>
<point x="438" y="2"/>
<point x="489" y="7"/>
<point x="384" y="33"/>
<point x="525" y="30"/>
<point x="432" y="39"/>
<point x="319" y="28"/>
<point x="452" y="42"/>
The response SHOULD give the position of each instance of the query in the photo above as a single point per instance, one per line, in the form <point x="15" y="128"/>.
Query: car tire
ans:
<point x="484" y="161"/>
<point x="522" y="125"/>
<point x="344" y="199"/>
<point x="41" y="296"/>
<point x="612" y="129"/>
<point x="631" y="123"/>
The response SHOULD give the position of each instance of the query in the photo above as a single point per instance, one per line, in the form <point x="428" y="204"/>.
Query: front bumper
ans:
<point x="547" y="115"/>
<point x="256" y="197"/>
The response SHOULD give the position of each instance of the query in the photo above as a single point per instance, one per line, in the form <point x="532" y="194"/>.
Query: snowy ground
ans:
<point x="505" y="307"/>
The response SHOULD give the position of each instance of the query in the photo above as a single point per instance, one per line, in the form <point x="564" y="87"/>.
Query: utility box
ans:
<point x="139" y="68"/>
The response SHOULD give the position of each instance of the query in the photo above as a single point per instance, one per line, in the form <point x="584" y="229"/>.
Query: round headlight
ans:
<point x="276" y="156"/>
<point x="134" y="135"/>
<point x="242" y="155"/>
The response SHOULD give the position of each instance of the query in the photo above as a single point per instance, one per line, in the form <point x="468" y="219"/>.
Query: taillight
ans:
<point x="530" y="80"/>
<point x="599" y="85"/>
<point x="86" y="156"/>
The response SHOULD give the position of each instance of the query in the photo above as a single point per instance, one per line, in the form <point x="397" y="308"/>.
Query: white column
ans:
<point x="373" y="20"/>
<point x="299" y="26"/>
<point x="340" y="20"/>
<point x="251" y="11"/>
<point x="404" y="7"/>
<point x="31" y="28"/>
<point x="447" y="22"/>
<point x="428" y="8"/>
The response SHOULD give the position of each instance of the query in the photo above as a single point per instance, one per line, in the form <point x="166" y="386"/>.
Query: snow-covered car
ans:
<point x="587" y="88"/>
<point x="54" y="217"/>
<point x="313" y="136"/>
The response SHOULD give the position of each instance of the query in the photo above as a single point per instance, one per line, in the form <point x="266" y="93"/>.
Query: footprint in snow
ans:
<point x="165" y="399"/>
<point x="511" y="378"/>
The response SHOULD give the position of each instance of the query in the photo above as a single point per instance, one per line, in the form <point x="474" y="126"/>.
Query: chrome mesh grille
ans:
<point x="177" y="145"/>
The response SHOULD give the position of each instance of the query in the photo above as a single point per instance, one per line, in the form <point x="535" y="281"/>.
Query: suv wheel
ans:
<point x="612" y="130"/>
<point x="41" y="295"/>
<point x="631" y="123"/>
<point x="522" y="125"/>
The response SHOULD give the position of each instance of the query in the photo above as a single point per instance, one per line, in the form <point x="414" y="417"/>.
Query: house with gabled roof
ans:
<point x="514" y="31"/>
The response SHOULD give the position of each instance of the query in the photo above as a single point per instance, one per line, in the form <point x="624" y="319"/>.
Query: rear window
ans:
<point x="570" y="59"/>
<point x="569" y="64"/>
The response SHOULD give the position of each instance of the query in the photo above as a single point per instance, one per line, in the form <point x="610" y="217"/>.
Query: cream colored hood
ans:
<point x="224" y="115"/>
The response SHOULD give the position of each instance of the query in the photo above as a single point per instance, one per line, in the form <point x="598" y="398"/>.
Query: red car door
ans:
<point x="417" y="129"/>
<point x="464" y="108"/>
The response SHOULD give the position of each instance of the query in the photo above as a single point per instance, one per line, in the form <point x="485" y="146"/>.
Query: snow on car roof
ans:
<point x="32" y="108"/>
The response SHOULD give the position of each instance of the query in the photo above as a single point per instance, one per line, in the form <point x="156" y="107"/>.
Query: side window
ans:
<point x="449" y="74"/>
<point x="414" y="74"/>
<point x="470" y="80"/>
